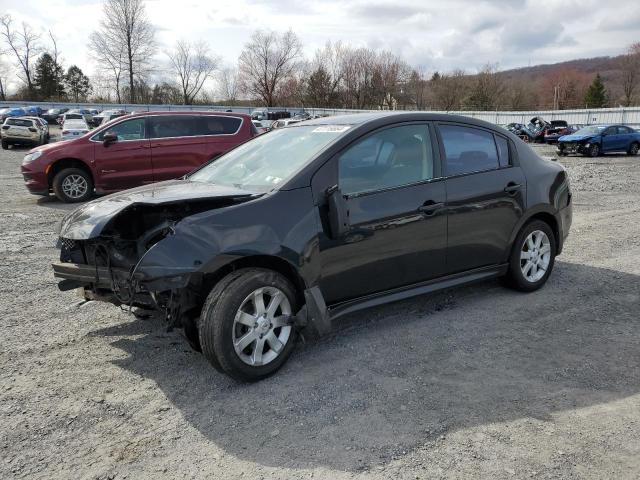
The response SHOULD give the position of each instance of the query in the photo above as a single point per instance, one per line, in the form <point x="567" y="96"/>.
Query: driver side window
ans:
<point x="385" y="159"/>
<point x="129" y="130"/>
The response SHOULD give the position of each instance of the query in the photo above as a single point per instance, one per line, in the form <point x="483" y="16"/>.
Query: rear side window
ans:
<point x="623" y="130"/>
<point x="468" y="149"/>
<point x="19" y="122"/>
<point x="219" y="125"/>
<point x="168" y="126"/>
<point x="503" y="151"/>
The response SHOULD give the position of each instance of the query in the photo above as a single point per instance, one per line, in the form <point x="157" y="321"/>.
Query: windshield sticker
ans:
<point x="331" y="129"/>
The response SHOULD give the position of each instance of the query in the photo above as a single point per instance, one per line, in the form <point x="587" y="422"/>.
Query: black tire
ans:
<point x="60" y="178"/>
<point x="594" y="150"/>
<point x="5" y="145"/>
<point x="217" y="322"/>
<point x="633" y="148"/>
<point x="515" y="278"/>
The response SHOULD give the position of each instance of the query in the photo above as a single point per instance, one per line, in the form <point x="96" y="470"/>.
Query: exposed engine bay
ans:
<point x="108" y="266"/>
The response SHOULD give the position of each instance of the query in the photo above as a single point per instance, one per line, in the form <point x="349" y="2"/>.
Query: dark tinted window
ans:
<point x="611" y="131"/>
<point x="219" y="125"/>
<point x="129" y="130"/>
<point x="389" y="158"/>
<point x="503" y="151"/>
<point x="468" y="149"/>
<point x="167" y="126"/>
<point x="18" y="122"/>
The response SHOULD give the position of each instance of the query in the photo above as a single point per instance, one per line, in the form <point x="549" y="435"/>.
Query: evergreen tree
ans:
<point x="77" y="83"/>
<point x="48" y="78"/>
<point x="596" y="96"/>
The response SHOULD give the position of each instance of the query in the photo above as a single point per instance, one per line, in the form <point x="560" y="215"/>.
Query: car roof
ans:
<point x="392" y="117"/>
<point x="191" y="112"/>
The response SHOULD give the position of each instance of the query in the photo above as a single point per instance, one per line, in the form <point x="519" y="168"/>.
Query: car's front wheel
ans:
<point x="5" y="145"/>
<point x="532" y="257"/>
<point x="73" y="185"/>
<point x="594" y="150"/>
<point x="245" y="326"/>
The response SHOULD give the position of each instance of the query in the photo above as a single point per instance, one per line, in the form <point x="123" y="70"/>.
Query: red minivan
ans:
<point x="131" y="151"/>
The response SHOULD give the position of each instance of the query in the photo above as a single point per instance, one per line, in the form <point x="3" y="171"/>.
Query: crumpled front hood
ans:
<point x="575" y="138"/>
<point x="89" y="220"/>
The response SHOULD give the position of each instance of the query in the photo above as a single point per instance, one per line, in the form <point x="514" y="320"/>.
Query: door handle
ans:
<point x="430" y="207"/>
<point x="512" y="188"/>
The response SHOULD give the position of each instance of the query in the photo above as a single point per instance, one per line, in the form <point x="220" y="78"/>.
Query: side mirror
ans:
<point x="109" y="138"/>
<point x="338" y="213"/>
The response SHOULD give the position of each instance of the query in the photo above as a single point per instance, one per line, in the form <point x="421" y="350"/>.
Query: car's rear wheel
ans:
<point x="634" y="148"/>
<point x="594" y="150"/>
<point x="73" y="185"/>
<point x="5" y="145"/>
<point x="245" y="326"/>
<point x="532" y="257"/>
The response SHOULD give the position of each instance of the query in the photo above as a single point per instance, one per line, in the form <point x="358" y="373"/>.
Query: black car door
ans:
<point x="486" y="193"/>
<point x="394" y="199"/>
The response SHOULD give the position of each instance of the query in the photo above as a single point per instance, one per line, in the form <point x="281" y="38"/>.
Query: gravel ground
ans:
<point x="475" y="382"/>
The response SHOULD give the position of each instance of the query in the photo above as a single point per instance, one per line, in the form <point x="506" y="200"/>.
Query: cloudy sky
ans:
<point x="433" y="34"/>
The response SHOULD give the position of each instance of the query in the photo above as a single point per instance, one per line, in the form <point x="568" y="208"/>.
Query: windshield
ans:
<point x="593" y="130"/>
<point x="266" y="161"/>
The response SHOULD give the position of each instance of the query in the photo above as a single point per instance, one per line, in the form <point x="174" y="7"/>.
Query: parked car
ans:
<point x="595" y="140"/>
<point x="107" y="116"/>
<point x="285" y="122"/>
<point x="557" y="129"/>
<point x="87" y="116"/>
<point x="33" y="111"/>
<point x="21" y="131"/>
<point x="133" y="150"/>
<point x="74" y="127"/>
<point x="42" y="123"/>
<point x="260" y="128"/>
<point x="51" y="115"/>
<point x="298" y="227"/>
<point x="11" y="112"/>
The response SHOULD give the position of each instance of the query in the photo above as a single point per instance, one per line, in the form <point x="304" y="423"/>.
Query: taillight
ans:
<point x="64" y="132"/>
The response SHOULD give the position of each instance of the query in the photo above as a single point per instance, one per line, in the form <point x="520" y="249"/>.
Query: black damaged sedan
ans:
<point x="297" y="227"/>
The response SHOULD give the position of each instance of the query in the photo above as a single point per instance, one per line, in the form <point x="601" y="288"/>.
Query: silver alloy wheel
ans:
<point x="75" y="186"/>
<point x="261" y="327"/>
<point x="535" y="256"/>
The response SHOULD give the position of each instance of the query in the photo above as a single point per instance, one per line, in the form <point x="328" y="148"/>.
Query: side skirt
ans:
<point x="322" y="316"/>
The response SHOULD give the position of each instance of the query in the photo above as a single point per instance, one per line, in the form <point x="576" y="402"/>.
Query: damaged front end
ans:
<point x="105" y="248"/>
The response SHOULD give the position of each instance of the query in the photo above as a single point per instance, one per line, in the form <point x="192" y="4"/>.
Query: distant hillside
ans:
<point x="602" y="65"/>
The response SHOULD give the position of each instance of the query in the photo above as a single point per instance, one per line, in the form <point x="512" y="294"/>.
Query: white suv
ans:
<point x="22" y="131"/>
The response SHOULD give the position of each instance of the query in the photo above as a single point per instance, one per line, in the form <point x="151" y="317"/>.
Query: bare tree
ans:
<point x="111" y="60"/>
<point x="24" y="43"/>
<point x="630" y="66"/>
<point x="486" y="89"/>
<point x="448" y="90"/>
<point x="358" y="77"/>
<point x="267" y="62"/>
<point x="390" y="72"/>
<point x="125" y="30"/>
<point x="417" y="87"/>
<point x="228" y="85"/>
<point x="193" y="64"/>
<point x="4" y="75"/>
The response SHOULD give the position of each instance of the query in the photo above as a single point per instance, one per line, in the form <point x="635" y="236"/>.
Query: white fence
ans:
<point x="627" y="116"/>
